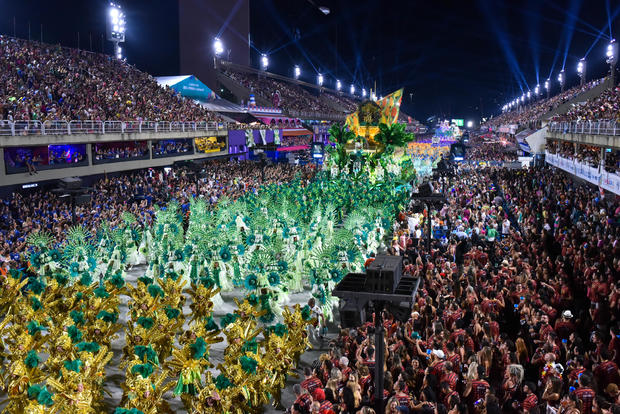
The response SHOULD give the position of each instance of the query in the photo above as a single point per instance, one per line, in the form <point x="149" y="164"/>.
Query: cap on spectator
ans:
<point x="438" y="353"/>
<point x="415" y="335"/>
<point x="318" y="395"/>
<point x="567" y="314"/>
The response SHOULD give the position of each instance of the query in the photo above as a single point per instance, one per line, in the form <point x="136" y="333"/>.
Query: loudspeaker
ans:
<point x="384" y="274"/>
<point x="70" y="182"/>
<point x="425" y="190"/>
<point x="352" y="314"/>
<point x="82" y="199"/>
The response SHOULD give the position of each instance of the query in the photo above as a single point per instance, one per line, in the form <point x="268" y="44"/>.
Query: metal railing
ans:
<point x="602" y="127"/>
<point x="16" y="128"/>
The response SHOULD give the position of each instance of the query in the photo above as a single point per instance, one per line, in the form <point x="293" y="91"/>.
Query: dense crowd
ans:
<point x="137" y="192"/>
<point x="42" y="82"/>
<point x="606" y="106"/>
<point x="586" y="154"/>
<point x="534" y="111"/>
<point x="103" y="152"/>
<point x="289" y="96"/>
<point x="171" y="147"/>
<point x="518" y="312"/>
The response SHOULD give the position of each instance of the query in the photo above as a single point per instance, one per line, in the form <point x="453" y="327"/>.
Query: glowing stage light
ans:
<point x="470" y="124"/>
<point x="547" y="84"/>
<point x="338" y="85"/>
<point x="561" y="76"/>
<point x="352" y="89"/>
<point x="528" y="94"/>
<point x="580" y="66"/>
<point x="363" y="92"/>
<point x="297" y="71"/>
<point x="319" y="80"/>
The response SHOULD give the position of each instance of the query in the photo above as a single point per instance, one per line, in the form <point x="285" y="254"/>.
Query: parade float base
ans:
<point x="115" y="376"/>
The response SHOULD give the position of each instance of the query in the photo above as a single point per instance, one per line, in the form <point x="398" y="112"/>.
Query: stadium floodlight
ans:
<point x="297" y="71"/>
<point x="612" y="59"/>
<point x="581" y="69"/>
<point x="319" y="80"/>
<point x="325" y="10"/>
<point x="338" y="85"/>
<point x="352" y="89"/>
<point x="115" y="27"/>
<point x="470" y="124"/>
<point x="523" y="98"/>
<point x="218" y="47"/>
<point x="561" y="79"/>
<point x="547" y="84"/>
<point x="119" y="52"/>
<point x="611" y="50"/>
<point x="537" y="90"/>
<point x="363" y="92"/>
<point x="529" y="95"/>
<point x="264" y="61"/>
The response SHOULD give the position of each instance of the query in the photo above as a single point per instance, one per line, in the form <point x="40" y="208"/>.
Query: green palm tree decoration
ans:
<point x="339" y="134"/>
<point x="391" y="137"/>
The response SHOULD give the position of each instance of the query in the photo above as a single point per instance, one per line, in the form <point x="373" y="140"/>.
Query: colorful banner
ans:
<point x="390" y="107"/>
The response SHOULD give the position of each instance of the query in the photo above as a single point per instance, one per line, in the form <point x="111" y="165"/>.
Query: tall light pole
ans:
<point x="561" y="79"/>
<point x="218" y="49"/>
<point x="581" y="70"/>
<point x="264" y="61"/>
<point x="612" y="59"/>
<point x="547" y="85"/>
<point x="115" y="28"/>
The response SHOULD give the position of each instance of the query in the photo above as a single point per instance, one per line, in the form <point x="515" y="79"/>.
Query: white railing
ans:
<point x="13" y="128"/>
<point x="602" y="127"/>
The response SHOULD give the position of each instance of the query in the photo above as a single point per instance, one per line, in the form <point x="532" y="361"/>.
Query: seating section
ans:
<point x="291" y="96"/>
<point x="45" y="82"/>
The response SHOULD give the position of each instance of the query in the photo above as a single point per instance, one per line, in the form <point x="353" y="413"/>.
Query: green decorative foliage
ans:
<point x="145" y="370"/>
<point x="73" y="365"/>
<point x="146" y="354"/>
<point x="91" y="347"/>
<point x="74" y="333"/>
<point x="155" y="291"/>
<point x="248" y="364"/>
<point x="145" y="322"/>
<point x="222" y="382"/>
<point x="228" y="319"/>
<point x="198" y="348"/>
<point x="110" y="317"/>
<point x="32" y="359"/>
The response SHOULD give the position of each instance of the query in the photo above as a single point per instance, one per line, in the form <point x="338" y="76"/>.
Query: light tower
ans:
<point x="363" y="92"/>
<point x="537" y="90"/>
<point x="547" y="85"/>
<point x="561" y="80"/>
<point x="218" y="49"/>
<point x="264" y="61"/>
<point x="581" y="70"/>
<point x="338" y="85"/>
<point x="297" y="71"/>
<point x="352" y="90"/>
<point x="319" y="80"/>
<point x="116" y="28"/>
<point x="612" y="59"/>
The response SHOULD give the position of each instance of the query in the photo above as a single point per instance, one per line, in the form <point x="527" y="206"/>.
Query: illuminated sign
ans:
<point x="458" y="122"/>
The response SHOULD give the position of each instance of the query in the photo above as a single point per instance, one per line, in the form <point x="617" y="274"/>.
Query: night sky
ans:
<point x="459" y="59"/>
